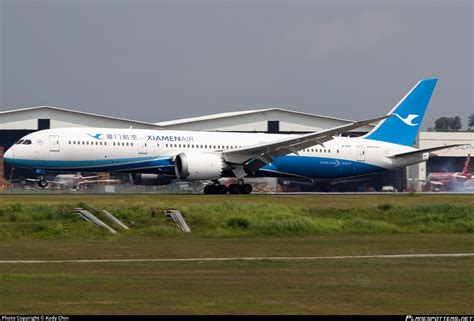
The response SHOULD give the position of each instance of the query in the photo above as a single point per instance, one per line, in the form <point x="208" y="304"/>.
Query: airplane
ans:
<point x="75" y="181"/>
<point x="451" y="180"/>
<point x="157" y="157"/>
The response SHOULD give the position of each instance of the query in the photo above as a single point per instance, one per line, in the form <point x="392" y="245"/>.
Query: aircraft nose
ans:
<point x="9" y="154"/>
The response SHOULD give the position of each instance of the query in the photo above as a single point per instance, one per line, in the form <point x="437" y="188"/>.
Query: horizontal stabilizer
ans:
<point x="426" y="150"/>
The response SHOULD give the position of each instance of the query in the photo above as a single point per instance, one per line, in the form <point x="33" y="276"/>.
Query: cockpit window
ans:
<point x="19" y="142"/>
<point x="27" y="142"/>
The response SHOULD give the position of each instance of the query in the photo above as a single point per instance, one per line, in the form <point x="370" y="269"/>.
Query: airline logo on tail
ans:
<point x="408" y="120"/>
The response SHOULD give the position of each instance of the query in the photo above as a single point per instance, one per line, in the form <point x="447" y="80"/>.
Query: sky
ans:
<point x="162" y="60"/>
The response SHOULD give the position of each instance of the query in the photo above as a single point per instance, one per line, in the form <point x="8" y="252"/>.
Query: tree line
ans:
<point x="452" y="124"/>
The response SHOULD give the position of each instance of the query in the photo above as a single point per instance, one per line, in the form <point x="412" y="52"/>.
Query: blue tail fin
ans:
<point x="408" y="114"/>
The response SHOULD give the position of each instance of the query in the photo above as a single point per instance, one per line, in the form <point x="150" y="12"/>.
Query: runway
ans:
<point x="262" y="258"/>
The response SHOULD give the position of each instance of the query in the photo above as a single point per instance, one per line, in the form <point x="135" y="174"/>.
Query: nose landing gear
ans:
<point x="41" y="181"/>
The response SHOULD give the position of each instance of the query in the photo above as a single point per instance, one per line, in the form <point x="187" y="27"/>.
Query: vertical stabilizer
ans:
<point x="408" y="114"/>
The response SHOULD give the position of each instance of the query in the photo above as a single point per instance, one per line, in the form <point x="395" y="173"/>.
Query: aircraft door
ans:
<point x="360" y="153"/>
<point x="142" y="146"/>
<point x="54" y="143"/>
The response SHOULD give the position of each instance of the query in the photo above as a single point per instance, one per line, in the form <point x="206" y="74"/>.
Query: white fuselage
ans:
<point x="153" y="151"/>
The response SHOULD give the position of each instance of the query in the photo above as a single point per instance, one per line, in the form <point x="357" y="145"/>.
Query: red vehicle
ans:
<point x="451" y="180"/>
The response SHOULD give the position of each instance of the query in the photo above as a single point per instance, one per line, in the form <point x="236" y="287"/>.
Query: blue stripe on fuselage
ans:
<point x="104" y="165"/>
<point x="296" y="166"/>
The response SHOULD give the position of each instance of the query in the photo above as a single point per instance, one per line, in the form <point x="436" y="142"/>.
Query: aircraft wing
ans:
<point x="426" y="150"/>
<point x="256" y="156"/>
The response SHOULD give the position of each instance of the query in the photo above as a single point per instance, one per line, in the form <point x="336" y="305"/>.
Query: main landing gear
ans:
<point x="216" y="188"/>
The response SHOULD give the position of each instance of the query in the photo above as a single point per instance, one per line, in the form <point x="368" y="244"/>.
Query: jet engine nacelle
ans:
<point x="151" y="179"/>
<point x="197" y="166"/>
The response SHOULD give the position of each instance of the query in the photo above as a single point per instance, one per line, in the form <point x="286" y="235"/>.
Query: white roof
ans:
<point x="75" y="112"/>
<point x="238" y="113"/>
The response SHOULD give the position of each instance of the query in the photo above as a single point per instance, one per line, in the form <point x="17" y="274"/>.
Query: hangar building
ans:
<point x="16" y="123"/>
<point x="271" y="120"/>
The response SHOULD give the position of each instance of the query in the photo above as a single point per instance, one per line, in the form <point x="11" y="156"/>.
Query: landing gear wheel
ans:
<point x="246" y="189"/>
<point x="221" y="189"/>
<point x="234" y="189"/>
<point x="210" y="189"/>
<point x="42" y="183"/>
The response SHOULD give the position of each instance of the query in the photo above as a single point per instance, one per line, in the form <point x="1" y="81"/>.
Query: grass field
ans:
<point x="52" y="217"/>
<point x="44" y="228"/>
